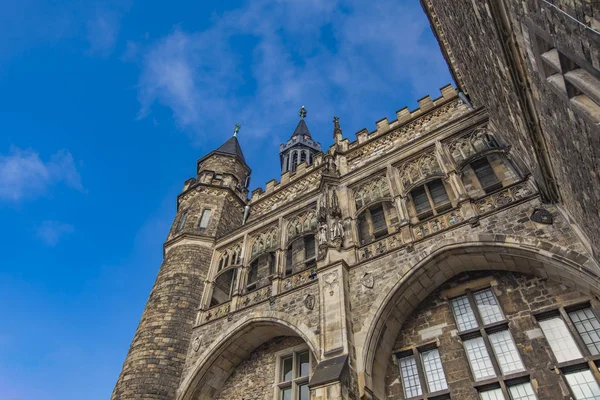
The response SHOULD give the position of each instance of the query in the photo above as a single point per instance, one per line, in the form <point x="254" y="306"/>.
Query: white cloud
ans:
<point x="23" y="174"/>
<point x="372" y="50"/>
<point x="102" y="32"/>
<point x="50" y="232"/>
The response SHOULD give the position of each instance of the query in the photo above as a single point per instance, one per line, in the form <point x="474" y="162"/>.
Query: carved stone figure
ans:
<point x="323" y="233"/>
<point x="337" y="228"/>
<point x="309" y="301"/>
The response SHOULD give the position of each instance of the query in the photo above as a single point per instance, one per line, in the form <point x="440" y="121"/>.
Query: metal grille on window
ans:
<point x="485" y="173"/>
<point x="522" y="391"/>
<point x="434" y="373"/>
<point x="410" y="377"/>
<point x="583" y="385"/>
<point x="481" y="365"/>
<point x="588" y="326"/>
<point x="506" y="352"/>
<point x="465" y="318"/>
<point x="438" y="192"/>
<point x="561" y="342"/>
<point x="488" y="307"/>
<point x="494" y="394"/>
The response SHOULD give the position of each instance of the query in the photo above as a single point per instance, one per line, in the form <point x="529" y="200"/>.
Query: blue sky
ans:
<point x="104" y="109"/>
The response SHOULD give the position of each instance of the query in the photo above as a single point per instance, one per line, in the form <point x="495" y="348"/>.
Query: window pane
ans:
<point x="583" y="385"/>
<point x="204" y="219"/>
<point x="303" y="364"/>
<point x="465" y="319"/>
<point x="494" y="394"/>
<point x="421" y="200"/>
<point x="486" y="175"/>
<point x="286" y="394"/>
<point x="434" y="373"/>
<point x="488" y="307"/>
<point x="523" y="391"/>
<point x="303" y="392"/>
<point x="481" y="365"/>
<point x="506" y="352"/>
<point x="378" y="219"/>
<point x="561" y="342"/>
<point x="588" y="327"/>
<point x="182" y="221"/>
<point x="438" y="192"/>
<point x="410" y="377"/>
<point x="309" y="247"/>
<point x="286" y="369"/>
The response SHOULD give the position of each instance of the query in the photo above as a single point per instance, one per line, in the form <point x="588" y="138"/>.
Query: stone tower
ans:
<point x="209" y="205"/>
<point x="299" y="148"/>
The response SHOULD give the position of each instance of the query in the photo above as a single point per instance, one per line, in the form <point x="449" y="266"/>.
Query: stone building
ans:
<point x="448" y="254"/>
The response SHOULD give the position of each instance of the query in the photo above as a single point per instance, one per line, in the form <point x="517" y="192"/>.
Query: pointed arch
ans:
<point x="214" y="366"/>
<point x="405" y="292"/>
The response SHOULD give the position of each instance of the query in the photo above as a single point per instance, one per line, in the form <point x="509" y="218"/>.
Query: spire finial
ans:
<point x="236" y="128"/>
<point x="302" y="112"/>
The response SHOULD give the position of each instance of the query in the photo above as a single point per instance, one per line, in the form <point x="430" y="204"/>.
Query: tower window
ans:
<point x="182" y="221"/>
<point x="204" y="219"/>
<point x="302" y="157"/>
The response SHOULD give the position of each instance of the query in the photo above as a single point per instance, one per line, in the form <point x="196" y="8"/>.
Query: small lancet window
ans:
<point x="204" y="219"/>
<point x="182" y="221"/>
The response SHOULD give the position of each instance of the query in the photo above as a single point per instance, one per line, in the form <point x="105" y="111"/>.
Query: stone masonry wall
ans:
<point x="254" y="377"/>
<point x="573" y="142"/>
<point x="519" y="296"/>
<point x="162" y="338"/>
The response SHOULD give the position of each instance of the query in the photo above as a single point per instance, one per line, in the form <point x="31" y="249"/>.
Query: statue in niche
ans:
<point x="323" y="228"/>
<point x="337" y="228"/>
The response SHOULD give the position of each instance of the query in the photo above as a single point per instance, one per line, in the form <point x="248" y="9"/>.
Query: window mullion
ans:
<point x="574" y="332"/>
<point x="430" y="199"/>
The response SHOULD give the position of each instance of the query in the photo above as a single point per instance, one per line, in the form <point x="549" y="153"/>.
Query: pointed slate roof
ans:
<point x="231" y="148"/>
<point x="301" y="129"/>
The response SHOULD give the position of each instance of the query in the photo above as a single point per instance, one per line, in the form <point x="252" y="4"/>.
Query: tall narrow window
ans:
<point x="309" y="247"/>
<point x="434" y="373"/>
<point x="421" y="200"/>
<point x="182" y="221"/>
<point x="583" y="385"/>
<point x="488" y="307"/>
<point x="486" y="175"/>
<point x="561" y="342"/>
<point x="479" y="359"/>
<point x="465" y="318"/>
<point x="506" y="352"/>
<point x="410" y="377"/>
<point x="378" y="219"/>
<point x="204" y="219"/>
<point x="292" y="379"/>
<point x="416" y="364"/>
<point x="588" y="326"/>
<point x="438" y="192"/>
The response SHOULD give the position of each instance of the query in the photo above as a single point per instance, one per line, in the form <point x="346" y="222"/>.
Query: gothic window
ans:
<point x="486" y="175"/>
<point x="371" y="191"/>
<point x="259" y="272"/>
<point x="302" y="156"/>
<point x="204" y="219"/>
<point x="429" y="199"/>
<point x="376" y="221"/>
<point x="301" y="254"/>
<point x="230" y="257"/>
<point x="422" y="373"/>
<point x="294" y="161"/>
<point x="181" y="221"/>
<point x="489" y="173"/>
<point x="293" y="370"/>
<point x="489" y="345"/>
<point x="223" y="287"/>
<point x="573" y="335"/>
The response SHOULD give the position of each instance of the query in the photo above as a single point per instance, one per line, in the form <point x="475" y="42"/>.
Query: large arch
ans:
<point x="219" y="359"/>
<point x="404" y="293"/>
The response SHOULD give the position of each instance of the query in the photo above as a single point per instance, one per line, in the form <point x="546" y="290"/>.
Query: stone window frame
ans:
<point x="201" y="216"/>
<point x="416" y="353"/>
<point x="366" y="213"/>
<point x="433" y="210"/>
<point x="181" y="222"/>
<point x="500" y="381"/>
<point x="296" y="381"/>
<point x="588" y="361"/>
<point x="570" y="77"/>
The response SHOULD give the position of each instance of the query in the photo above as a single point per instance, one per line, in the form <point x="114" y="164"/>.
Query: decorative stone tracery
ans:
<point x="469" y="145"/>
<point x="264" y="241"/>
<point x="373" y="190"/>
<point x="230" y="256"/>
<point x="419" y="169"/>
<point x="305" y="222"/>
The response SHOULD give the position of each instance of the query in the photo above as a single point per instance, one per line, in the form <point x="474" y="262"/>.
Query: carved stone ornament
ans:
<point x="309" y="301"/>
<point x="196" y="344"/>
<point x="331" y="281"/>
<point x="367" y="280"/>
<point x="542" y="216"/>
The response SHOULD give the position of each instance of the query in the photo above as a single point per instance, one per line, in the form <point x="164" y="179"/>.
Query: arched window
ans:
<point x="261" y="268"/>
<point x="487" y="174"/>
<point x="376" y="221"/>
<point x="301" y="254"/>
<point x="294" y="160"/>
<point x="223" y="287"/>
<point x="302" y="156"/>
<point x="429" y="199"/>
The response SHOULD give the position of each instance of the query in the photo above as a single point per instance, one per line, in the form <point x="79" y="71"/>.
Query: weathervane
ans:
<point x="236" y="128"/>
<point x="302" y="112"/>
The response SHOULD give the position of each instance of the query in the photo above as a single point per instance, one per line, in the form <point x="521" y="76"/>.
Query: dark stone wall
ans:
<point x="494" y="72"/>
<point x="519" y="296"/>
<point x="162" y="338"/>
